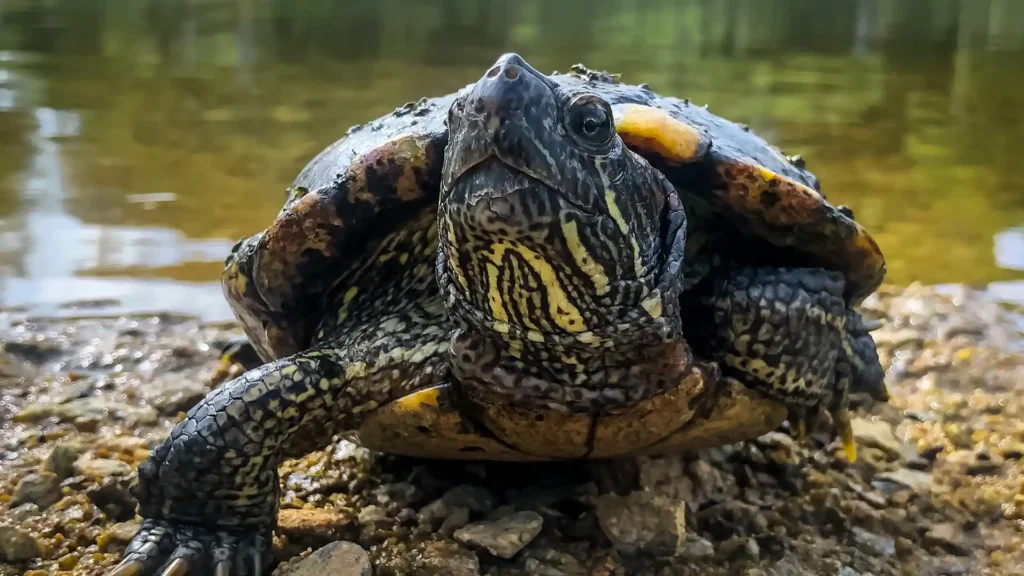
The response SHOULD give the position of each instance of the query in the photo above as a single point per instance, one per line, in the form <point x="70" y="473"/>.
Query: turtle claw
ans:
<point x="163" y="548"/>
<point x="127" y="568"/>
<point x="841" y="420"/>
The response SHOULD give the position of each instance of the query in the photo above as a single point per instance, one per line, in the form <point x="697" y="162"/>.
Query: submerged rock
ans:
<point x="17" y="545"/>
<point x="41" y="488"/>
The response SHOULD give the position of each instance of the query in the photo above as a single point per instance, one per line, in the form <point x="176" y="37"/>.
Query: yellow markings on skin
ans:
<point x="561" y="310"/>
<point x="500" y="326"/>
<point x="453" y="259"/>
<point x="534" y="336"/>
<point x="653" y="129"/>
<point x="587" y="338"/>
<point x="350" y="294"/>
<point x="583" y="259"/>
<point x="569" y="360"/>
<point x="652" y="305"/>
<point x="616" y="214"/>
<point x="356" y="370"/>
<point x="414" y="401"/>
<point x="494" y="294"/>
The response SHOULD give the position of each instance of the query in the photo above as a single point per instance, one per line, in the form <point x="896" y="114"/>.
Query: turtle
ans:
<point x="533" y="268"/>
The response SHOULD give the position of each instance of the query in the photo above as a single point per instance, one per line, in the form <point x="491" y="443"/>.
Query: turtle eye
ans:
<point x="590" y="120"/>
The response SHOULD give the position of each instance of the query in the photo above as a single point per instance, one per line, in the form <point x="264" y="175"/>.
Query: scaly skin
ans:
<point x="209" y="493"/>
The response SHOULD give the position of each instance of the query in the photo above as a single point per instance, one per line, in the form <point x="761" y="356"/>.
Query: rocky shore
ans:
<point x="938" y="488"/>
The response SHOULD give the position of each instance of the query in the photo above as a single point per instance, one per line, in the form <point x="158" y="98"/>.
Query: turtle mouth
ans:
<point x="491" y="176"/>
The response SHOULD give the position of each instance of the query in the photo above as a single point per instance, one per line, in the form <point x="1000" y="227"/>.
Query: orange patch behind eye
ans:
<point x="655" y="131"/>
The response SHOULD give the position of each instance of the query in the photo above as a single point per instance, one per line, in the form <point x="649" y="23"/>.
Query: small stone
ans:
<point x="903" y="479"/>
<point x="100" y="468"/>
<point x="472" y="498"/>
<point x="123" y="532"/>
<point x="373" y="516"/>
<point x="336" y="559"/>
<point x="948" y="537"/>
<point x="61" y="460"/>
<point x="878" y="434"/>
<point x="873" y="543"/>
<point x="17" y="545"/>
<point x="696" y="548"/>
<point x="458" y="518"/>
<point x="115" y="499"/>
<point x="317" y="524"/>
<point x="644" y="521"/>
<point x="446" y="558"/>
<point x="740" y="548"/>
<point x="505" y="536"/>
<point x="41" y="489"/>
<point x="24" y="512"/>
<point x="847" y="571"/>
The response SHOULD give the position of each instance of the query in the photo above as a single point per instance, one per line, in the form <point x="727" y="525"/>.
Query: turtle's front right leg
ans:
<point x="209" y="493"/>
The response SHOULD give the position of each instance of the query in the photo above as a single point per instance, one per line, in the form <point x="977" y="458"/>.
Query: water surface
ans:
<point x="139" y="140"/>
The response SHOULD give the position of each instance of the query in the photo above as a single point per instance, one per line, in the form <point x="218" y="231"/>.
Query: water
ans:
<point x="139" y="140"/>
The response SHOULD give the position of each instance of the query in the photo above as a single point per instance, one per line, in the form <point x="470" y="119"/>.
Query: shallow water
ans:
<point x="139" y="140"/>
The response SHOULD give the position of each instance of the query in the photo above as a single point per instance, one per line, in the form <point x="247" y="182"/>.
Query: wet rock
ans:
<point x="903" y="479"/>
<point x="730" y="518"/>
<point x="24" y="511"/>
<point x="123" y="532"/>
<point x="172" y="395"/>
<point x="115" y="499"/>
<point x="317" y="524"/>
<point x="41" y="488"/>
<point x="949" y="537"/>
<point x="100" y="468"/>
<point x="446" y="558"/>
<point x="873" y="543"/>
<point x="878" y="434"/>
<point x="61" y="460"/>
<point x="336" y="559"/>
<point x="644" y="521"/>
<point x="464" y="496"/>
<point x="696" y="548"/>
<point x="374" y="517"/>
<point x="739" y="548"/>
<point x="505" y="536"/>
<point x="17" y="545"/>
<point x="458" y="518"/>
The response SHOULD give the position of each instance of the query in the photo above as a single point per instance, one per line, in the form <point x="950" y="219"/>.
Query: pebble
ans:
<point x="643" y="520"/>
<point x="949" y="537"/>
<point x="40" y="488"/>
<point x="448" y="559"/>
<point x="100" y="468"/>
<point x="324" y="525"/>
<point x="505" y="536"/>
<point x="740" y="548"/>
<point x="464" y="496"/>
<point x="903" y="479"/>
<point x="17" y="545"/>
<point x="872" y="543"/>
<point x="61" y="460"/>
<point x="373" y="516"/>
<point x="878" y="434"/>
<point x="336" y="559"/>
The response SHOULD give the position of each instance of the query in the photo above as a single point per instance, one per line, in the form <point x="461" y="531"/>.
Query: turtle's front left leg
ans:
<point x="209" y="493"/>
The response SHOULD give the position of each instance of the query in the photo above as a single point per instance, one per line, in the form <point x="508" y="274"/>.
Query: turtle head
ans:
<point x="550" y="226"/>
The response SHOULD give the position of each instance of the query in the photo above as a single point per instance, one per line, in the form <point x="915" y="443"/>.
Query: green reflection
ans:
<point x="910" y="111"/>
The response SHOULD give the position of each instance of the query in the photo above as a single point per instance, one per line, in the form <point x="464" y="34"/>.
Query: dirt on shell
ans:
<point x="938" y="488"/>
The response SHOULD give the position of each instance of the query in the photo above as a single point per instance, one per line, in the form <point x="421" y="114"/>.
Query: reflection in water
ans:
<point x="139" y="140"/>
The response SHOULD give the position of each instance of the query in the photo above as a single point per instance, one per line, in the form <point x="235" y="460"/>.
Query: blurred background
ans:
<point x="140" y="139"/>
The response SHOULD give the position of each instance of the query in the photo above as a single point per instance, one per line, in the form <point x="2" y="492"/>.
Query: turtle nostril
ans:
<point x="493" y="72"/>
<point x="512" y="72"/>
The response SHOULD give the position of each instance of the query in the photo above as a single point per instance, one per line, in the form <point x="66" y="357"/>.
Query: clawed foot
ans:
<point x="167" y="549"/>
<point x="802" y="423"/>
